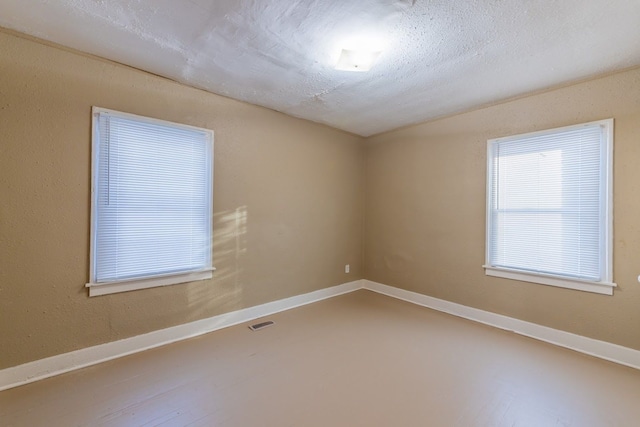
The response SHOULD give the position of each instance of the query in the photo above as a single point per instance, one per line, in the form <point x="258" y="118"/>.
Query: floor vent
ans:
<point x="262" y="325"/>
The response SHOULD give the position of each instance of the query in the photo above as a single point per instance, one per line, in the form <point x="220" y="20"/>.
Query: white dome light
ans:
<point x="356" y="60"/>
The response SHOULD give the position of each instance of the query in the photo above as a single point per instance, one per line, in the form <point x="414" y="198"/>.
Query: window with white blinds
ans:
<point x="151" y="203"/>
<point x="549" y="207"/>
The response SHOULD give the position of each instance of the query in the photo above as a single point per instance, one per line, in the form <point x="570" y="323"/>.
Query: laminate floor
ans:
<point x="360" y="359"/>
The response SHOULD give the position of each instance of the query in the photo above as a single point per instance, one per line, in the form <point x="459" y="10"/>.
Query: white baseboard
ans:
<point x="59" y="364"/>
<point x="601" y="349"/>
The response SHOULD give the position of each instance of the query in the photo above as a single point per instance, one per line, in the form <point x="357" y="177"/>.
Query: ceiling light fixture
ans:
<point x="356" y="60"/>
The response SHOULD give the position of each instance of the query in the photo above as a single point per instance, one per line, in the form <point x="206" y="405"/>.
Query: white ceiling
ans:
<point x="439" y="57"/>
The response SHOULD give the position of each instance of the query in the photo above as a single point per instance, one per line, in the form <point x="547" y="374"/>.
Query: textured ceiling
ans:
<point x="439" y="56"/>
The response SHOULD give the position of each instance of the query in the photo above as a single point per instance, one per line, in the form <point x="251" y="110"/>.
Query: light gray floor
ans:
<point x="360" y="359"/>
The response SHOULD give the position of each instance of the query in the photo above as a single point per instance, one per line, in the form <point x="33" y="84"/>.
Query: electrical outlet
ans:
<point x="346" y="268"/>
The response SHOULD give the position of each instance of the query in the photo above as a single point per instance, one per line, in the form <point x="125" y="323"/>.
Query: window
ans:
<point x="151" y="203"/>
<point x="549" y="205"/>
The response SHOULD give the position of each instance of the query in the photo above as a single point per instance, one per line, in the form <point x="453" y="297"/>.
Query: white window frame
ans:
<point x="605" y="285"/>
<point x="105" y="288"/>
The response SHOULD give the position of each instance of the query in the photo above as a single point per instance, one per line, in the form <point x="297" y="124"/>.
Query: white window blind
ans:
<point x="152" y="201"/>
<point x="548" y="203"/>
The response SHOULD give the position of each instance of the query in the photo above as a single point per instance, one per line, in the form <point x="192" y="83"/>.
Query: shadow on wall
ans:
<point x="225" y="292"/>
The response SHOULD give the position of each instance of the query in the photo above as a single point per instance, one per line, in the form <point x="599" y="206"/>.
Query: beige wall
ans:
<point x="425" y="209"/>
<point x="288" y="203"/>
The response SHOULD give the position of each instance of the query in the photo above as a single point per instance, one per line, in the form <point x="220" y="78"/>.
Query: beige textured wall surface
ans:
<point x="425" y="209"/>
<point x="288" y="200"/>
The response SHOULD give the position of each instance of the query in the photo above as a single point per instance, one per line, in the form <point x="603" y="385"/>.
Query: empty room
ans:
<point x="319" y="213"/>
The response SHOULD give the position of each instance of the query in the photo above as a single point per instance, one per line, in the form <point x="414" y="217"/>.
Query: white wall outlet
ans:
<point x="346" y="268"/>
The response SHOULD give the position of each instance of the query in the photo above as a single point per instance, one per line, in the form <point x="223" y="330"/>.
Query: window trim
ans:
<point x="105" y="288"/>
<point x="604" y="286"/>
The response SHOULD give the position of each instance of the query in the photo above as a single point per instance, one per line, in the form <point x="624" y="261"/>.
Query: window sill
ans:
<point x="97" y="289"/>
<point x="605" y="288"/>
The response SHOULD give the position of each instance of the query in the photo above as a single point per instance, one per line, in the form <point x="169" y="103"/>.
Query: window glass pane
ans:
<point x="153" y="208"/>
<point x="547" y="198"/>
